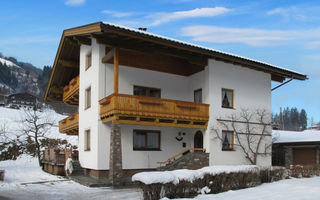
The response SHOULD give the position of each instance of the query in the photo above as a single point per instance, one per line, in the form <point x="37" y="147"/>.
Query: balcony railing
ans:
<point x="70" y="125"/>
<point x="71" y="92"/>
<point x="130" y="109"/>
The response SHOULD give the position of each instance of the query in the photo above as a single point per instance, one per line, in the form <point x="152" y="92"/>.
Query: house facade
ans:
<point x="144" y="98"/>
<point x="22" y="100"/>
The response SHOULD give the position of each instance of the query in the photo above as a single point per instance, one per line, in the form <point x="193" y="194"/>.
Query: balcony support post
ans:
<point x="116" y="71"/>
<point x="115" y="170"/>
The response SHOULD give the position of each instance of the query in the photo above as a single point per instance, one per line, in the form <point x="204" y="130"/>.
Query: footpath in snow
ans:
<point x="24" y="179"/>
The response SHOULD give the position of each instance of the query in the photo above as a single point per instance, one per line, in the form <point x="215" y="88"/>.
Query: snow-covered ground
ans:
<point x="24" y="179"/>
<point x="290" y="189"/>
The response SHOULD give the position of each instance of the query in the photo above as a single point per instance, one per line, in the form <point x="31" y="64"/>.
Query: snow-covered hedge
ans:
<point x="214" y="179"/>
<point x="190" y="175"/>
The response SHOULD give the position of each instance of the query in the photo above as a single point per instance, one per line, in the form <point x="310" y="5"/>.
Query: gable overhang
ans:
<point x="187" y="58"/>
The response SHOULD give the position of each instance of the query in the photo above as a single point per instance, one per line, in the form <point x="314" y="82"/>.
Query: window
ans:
<point x="227" y="98"/>
<point x="87" y="140"/>
<point x="88" y="98"/>
<point x="198" y="96"/>
<point x="146" y="91"/>
<point x="227" y="140"/>
<point x="146" y="140"/>
<point x="88" y="60"/>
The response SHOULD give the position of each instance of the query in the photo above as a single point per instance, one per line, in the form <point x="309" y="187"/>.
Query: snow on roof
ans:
<point x="195" y="45"/>
<point x="295" y="136"/>
<point x="8" y="63"/>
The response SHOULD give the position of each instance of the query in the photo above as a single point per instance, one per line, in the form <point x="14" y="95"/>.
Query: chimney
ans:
<point x="142" y="29"/>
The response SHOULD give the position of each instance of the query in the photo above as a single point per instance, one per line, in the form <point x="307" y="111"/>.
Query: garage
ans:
<point x="304" y="156"/>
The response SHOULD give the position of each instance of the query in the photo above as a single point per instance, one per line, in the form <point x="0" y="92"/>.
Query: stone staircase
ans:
<point x="77" y="169"/>
<point x="187" y="160"/>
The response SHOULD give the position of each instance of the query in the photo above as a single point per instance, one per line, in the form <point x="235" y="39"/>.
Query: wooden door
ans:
<point x="304" y="156"/>
<point x="198" y="140"/>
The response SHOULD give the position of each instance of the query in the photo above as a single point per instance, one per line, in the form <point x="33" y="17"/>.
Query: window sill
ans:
<point x="146" y="149"/>
<point x="228" y="150"/>
<point x="87" y="150"/>
<point x="87" y="108"/>
<point x="228" y="107"/>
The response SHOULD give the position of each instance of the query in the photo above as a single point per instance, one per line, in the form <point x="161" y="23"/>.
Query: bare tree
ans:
<point x="35" y="126"/>
<point x="251" y="130"/>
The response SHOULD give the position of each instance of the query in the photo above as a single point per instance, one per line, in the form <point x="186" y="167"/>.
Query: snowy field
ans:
<point x="290" y="189"/>
<point x="25" y="180"/>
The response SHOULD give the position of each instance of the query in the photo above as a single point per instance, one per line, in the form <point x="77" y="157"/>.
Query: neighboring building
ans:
<point x="2" y="100"/>
<point x="295" y="148"/>
<point x="315" y="127"/>
<point x="144" y="98"/>
<point x="21" y="100"/>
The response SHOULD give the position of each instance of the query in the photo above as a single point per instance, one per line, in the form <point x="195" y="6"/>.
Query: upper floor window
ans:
<point x="88" y="60"/>
<point x="88" y="98"/>
<point x="198" y="96"/>
<point x="146" y="140"/>
<point x="146" y="91"/>
<point x="227" y="140"/>
<point x="227" y="98"/>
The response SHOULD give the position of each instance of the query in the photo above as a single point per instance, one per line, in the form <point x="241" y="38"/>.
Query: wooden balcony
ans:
<point x="70" y="125"/>
<point x="130" y="109"/>
<point x="71" y="92"/>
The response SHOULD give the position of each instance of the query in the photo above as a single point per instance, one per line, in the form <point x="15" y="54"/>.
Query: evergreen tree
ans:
<point x="303" y="120"/>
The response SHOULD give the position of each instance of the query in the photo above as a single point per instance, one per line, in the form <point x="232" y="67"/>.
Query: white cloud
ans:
<point x="117" y="14"/>
<point x="289" y="12"/>
<point x="161" y="18"/>
<point x="249" y="36"/>
<point x="74" y="2"/>
<point x="313" y="44"/>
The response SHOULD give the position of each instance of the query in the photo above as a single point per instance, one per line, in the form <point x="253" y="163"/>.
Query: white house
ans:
<point x="144" y="98"/>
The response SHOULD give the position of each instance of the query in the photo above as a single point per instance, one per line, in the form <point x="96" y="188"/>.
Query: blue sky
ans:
<point x="284" y="33"/>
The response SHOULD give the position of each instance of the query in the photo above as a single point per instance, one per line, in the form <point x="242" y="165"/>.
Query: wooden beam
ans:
<point x="152" y="49"/>
<point x="116" y="71"/>
<point x="157" y="63"/>
<point x="108" y="56"/>
<point x="82" y="40"/>
<point x="69" y="63"/>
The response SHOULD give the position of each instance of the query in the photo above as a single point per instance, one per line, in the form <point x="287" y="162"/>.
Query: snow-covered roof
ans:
<point x="194" y="45"/>
<point x="8" y="63"/>
<point x="295" y="136"/>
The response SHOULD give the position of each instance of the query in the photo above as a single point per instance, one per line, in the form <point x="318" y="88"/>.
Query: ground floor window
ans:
<point x="87" y="140"/>
<point x="146" y="140"/>
<point x="227" y="140"/>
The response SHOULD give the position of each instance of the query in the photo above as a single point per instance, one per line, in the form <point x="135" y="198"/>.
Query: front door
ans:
<point x="198" y="140"/>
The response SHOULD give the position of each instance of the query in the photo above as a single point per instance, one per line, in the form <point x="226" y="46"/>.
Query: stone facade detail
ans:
<point x="192" y="160"/>
<point x="115" y="171"/>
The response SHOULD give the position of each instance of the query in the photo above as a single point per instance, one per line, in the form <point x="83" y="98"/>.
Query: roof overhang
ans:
<point x="188" y="58"/>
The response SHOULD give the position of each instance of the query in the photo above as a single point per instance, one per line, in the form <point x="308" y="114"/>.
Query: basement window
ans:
<point x="88" y="60"/>
<point x="227" y="98"/>
<point x="87" y="140"/>
<point x="227" y="140"/>
<point x="146" y="140"/>
<point x="146" y="91"/>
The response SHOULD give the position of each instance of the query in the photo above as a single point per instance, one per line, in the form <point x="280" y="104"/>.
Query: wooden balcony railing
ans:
<point x="70" y="125"/>
<point x="71" y="92"/>
<point x="130" y="109"/>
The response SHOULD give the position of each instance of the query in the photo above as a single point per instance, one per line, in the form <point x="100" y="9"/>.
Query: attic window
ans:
<point x="227" y="98"/>
<point x="88" y="60"/>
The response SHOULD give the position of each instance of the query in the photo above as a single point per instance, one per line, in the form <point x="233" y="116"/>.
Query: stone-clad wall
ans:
<point x="193" y="160"/>
<point x="115" y="171"/>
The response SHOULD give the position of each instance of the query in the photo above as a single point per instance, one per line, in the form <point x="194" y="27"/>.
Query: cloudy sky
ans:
<point x="284" y="33"/>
